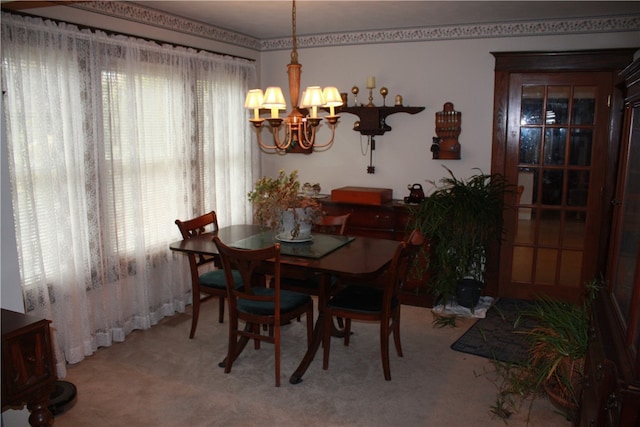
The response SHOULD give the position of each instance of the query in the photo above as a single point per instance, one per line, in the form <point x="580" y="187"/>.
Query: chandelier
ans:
<point x="300" y="124"/>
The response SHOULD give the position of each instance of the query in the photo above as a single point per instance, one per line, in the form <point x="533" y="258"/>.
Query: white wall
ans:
<point x="425" y="74"/>
<point x="11" y="292"/>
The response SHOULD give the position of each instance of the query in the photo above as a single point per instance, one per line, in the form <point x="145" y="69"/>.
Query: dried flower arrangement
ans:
<point x="272" y="196"/>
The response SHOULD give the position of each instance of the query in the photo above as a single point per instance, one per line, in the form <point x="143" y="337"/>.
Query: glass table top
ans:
<point x="318" y="246"/>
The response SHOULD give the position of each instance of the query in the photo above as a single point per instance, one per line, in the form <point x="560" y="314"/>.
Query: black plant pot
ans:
<point x="468" y="292"/>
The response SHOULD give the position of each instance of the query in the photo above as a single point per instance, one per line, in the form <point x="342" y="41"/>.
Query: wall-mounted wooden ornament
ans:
<point x="446" y="145"/>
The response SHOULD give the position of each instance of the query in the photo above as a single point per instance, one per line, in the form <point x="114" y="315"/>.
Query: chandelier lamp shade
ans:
<point x="298" y="128"/>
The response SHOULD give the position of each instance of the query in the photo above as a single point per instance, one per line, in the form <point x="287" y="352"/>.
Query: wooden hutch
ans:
<point x="611" y="393"/>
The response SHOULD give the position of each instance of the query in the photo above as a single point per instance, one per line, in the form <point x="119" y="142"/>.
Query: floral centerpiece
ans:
<point x="278" y="204"/>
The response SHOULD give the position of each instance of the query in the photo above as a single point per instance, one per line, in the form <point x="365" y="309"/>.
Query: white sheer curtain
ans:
<point x="111" y="139"/>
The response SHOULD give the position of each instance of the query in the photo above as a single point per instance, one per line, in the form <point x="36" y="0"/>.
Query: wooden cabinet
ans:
<point x="386" y="221"/>
<point x="28" y="368"/>
<point x="365" y="220"/>
<point x="611" y="394"/>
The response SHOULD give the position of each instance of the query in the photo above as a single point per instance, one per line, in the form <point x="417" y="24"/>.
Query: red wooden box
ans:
<point x="362" y="195"/>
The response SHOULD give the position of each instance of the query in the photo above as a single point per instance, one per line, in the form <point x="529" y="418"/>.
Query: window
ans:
<point x="110" y="140"/>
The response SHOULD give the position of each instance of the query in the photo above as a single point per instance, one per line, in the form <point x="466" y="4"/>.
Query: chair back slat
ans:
<point x="198" y="225"/>
<point x="195" y="227"/>
<point x="250" y="263"/>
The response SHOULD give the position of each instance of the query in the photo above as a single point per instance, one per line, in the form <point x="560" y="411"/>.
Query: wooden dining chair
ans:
<point x="372" y="303"/>
<point x="211" y="283"/>
<point x="307" y="282"/>
<point x="258" y="305"/>
<point x="333" y="224"/>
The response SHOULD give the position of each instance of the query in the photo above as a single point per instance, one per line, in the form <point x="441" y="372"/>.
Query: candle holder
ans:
<point x="384" y="92"/>
<point x="355" y="91"/>
<point x="371" y="84"/>
<point x="370" y="104"/>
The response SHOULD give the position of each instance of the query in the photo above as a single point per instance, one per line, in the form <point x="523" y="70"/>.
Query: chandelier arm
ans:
<point x="289" y="137"/>
<point x="262" y="144"/>
<point x="326" y="144"/>
<point x="303" y="139"/>
<point x="280" y="145"/>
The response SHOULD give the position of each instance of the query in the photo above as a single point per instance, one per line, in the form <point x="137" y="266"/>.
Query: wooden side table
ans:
<point x="28" y="368"/>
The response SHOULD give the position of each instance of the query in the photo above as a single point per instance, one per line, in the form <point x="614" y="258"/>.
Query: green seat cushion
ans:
<point x="361" y="299"/>
<point x="288" y="302"/>
<point x="216" y="279"/>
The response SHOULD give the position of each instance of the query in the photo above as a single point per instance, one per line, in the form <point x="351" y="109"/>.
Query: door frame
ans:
<point x="506" y="63"/>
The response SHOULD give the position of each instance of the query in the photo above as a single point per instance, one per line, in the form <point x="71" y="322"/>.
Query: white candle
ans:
<point x="371" y="82"/>
<point x="274" y="113"/>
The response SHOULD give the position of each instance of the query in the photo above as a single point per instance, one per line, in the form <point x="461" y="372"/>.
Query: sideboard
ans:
<point x="388" y="221"/>
<point x="28" y="368"/>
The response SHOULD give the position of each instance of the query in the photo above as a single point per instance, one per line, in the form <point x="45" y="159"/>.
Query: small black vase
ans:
<point x="468" y="292"/>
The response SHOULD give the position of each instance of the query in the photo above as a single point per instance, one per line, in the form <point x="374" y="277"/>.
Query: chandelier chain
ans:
<point x="294" y="52"/>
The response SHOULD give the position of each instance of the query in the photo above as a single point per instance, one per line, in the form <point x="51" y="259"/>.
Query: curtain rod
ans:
<point x="111" y="32"/>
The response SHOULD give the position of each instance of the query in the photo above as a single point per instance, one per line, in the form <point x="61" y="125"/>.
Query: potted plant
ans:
<point x="557" y="350"/>
<point x="559" y="345"/>
<point x="279" y="205"/>
<point x="460" y="218"/>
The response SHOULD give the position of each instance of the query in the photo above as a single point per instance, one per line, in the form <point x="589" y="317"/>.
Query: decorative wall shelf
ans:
<point x="373" y="119"/>
<point x="373" y="122"/>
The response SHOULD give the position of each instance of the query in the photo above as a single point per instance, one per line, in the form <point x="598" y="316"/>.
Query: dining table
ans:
<point x="348" y="257"/>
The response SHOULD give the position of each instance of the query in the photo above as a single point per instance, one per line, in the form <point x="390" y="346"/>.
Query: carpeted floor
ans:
<point x="161" y="378"/>
<point x="497" y="336"/>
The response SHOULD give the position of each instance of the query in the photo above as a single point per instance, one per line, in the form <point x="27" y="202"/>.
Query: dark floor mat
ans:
<point x="495" y="336"/>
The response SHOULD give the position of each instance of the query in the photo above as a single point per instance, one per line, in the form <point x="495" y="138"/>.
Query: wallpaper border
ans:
<point x="149" y="16"/>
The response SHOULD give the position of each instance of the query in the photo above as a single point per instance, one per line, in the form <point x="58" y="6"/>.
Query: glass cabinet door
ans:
<point x="624" y="271"/>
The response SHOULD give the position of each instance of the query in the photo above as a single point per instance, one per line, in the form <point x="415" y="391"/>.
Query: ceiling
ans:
<point x="265" y="20"/>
